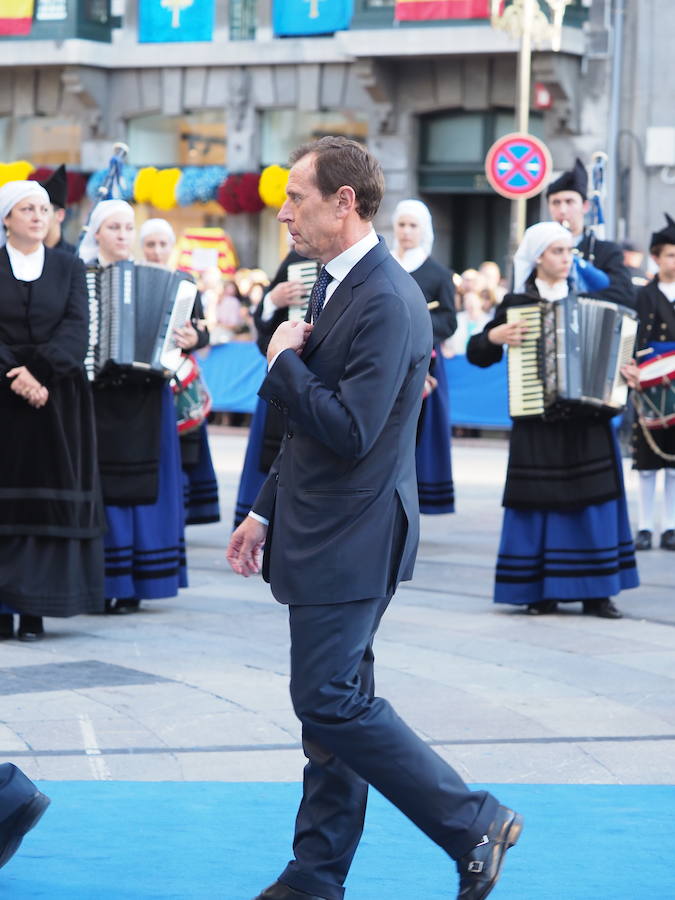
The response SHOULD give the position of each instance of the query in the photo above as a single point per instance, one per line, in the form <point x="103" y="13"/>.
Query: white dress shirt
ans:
<point x="26" y="266"/>
<point x="667" y="288"/>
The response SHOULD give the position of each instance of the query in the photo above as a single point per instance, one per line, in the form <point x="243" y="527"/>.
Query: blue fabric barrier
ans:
<point x="123" y="840"/>
<point x="233" y="374"/>
<point x="478" y="397"/>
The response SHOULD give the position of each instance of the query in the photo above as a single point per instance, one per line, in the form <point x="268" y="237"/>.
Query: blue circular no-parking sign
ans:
<point x="518" y="165"/>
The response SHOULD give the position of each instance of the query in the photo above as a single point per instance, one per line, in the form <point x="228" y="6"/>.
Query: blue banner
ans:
<point x="161" y="21"/>
<point x="298" y="17"/>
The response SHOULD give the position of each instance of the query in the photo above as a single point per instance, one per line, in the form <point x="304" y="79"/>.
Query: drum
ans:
<point x="657" y="395"/>
<point x="193" y="401"/>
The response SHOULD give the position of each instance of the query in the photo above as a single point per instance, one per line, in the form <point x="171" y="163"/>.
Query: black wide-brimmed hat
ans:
<point x="575" y="179"/>
<point x="57" y="187"/>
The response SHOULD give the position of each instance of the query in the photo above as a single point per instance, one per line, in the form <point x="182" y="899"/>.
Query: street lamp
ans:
<point x="526" y="20"/>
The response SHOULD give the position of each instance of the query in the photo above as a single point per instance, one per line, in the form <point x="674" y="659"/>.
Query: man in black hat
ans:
<point x="568" y="204"/>
<point x="656" y="311"/>
<point x="57" y="188"/>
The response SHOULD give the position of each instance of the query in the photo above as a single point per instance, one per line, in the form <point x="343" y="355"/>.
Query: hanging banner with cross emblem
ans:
<point x="298" y="17"/>
<point x="168" y="21"/>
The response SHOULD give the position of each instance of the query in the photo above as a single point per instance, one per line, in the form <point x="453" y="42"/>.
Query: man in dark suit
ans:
<point x="338" y="519"/>
<point x="21" y="808"/>
<point x="568" y="204"/>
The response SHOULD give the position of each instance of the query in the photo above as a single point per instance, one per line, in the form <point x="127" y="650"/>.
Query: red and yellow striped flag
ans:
<point x="419" y="10"/>
<point x="16" y="16"/>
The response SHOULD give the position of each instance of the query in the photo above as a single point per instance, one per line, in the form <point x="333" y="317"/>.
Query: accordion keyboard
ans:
<point x="526" y="386"/>
<point x="306" y="273"/>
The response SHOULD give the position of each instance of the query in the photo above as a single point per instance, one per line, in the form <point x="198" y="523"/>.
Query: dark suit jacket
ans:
<point x="656" y="314"/>
<point x="342" y="496"/>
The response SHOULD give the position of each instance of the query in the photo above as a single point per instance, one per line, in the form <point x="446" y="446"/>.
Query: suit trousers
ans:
<point x="353" y="739"/>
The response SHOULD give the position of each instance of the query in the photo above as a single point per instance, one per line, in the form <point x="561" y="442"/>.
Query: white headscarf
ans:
<point x="535" y="240"/>
<point x="413" y="259"/>
<point x="157" y="226"/>
<point x="14" y="192"/>
<point x="89" y="247"/>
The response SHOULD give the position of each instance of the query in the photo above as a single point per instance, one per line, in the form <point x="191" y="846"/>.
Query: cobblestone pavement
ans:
<point x="195" y="688"/>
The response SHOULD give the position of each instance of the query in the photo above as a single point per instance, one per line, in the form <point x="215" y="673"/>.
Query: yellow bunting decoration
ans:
<point x="15" y="171"/>
<point x="144" y="184"/>
<point x="272" y="187"/>
<point x="164" y="188"/>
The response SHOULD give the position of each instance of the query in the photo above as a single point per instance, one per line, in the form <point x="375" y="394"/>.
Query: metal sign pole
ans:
<point x="519" y="205"/>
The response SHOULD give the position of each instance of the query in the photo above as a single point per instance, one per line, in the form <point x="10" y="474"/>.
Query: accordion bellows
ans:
<point x="133" y="312"/>
<point x="571" y="357"/>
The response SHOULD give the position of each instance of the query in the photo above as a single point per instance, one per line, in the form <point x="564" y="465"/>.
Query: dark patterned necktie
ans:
<point x="318" y="296"/>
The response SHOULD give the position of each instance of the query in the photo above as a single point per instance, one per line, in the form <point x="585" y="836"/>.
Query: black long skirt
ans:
<point x="46" y="576"/>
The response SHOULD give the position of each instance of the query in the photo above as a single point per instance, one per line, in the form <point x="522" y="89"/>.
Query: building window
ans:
<point x="243" y="16"/>
<point x="453" y="147"/>
<point x="373" y="13"/>
<point x="97" y="11"/>
<point x="193" y="140"/>
<point x="42" y="140"/>
<point x="284" y="129"/>
<point x="51" y="10"/>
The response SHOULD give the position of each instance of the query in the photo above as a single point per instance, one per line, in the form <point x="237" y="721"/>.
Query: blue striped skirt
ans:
<point x="432" y="454"/>
<point x="145" y="544"/>
<point x="552" y="555"/>
<point x="200" y="486"/>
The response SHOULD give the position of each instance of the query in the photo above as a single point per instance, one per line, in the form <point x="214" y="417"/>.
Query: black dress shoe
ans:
<point x="603" y="608"/>
<point x="27" y="805"/>
<point x="643" y="540"/>
<point x="668" y="539"/>
<point x="31" y="628"/>
<point x="545" y="608"/>
<point x="479" y="869"/>
<point x="6" y="626"/>
<point x="121" y="606"/>
<point x="281" y="891"/>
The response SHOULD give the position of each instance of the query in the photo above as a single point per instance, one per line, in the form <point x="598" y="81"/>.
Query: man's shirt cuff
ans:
<point x="261" y="519"/>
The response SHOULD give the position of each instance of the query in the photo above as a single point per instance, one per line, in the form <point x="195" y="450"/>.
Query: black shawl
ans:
<point x="48" y="473"/>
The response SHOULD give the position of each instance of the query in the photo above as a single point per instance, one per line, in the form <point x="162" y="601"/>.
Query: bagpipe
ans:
<point x="587" y="277"/>
<point x="111" y="184"/>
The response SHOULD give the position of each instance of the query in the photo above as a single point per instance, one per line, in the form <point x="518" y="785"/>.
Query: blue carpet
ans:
<point x="197" y="841"/>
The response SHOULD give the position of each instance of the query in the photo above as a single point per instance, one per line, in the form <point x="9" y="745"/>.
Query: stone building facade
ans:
<point x="427" y="100"/>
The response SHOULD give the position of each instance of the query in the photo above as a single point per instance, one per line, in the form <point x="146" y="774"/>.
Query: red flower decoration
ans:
<point x="239" y="193"/>
<point x="77" y="182"/>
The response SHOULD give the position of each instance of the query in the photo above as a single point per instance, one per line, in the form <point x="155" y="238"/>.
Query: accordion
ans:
<point x="570" y="358"/>
<point x="306" y="273"/>
<point x="133" y="312"/>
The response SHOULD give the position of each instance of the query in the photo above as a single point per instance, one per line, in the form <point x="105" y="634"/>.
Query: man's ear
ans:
<point x="587" y="206"/>
<point x="346" y="200"/>
<point x="59" y="214"/>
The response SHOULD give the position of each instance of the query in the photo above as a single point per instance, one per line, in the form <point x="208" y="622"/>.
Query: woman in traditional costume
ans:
<point x="199" y="478"/>
<point x="139" y="454"/>
<point x="565" y="534"/>
<point x="51" y="516"/>
<point x="413" y="240"/>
